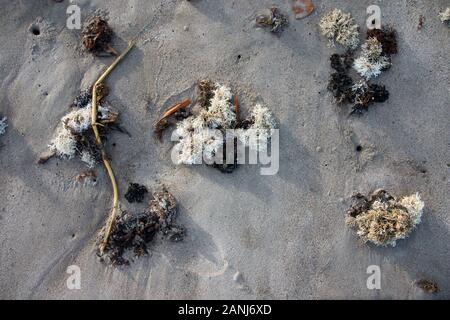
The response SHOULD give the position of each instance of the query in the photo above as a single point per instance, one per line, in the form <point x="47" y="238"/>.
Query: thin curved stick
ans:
<point x="98" y="140"/>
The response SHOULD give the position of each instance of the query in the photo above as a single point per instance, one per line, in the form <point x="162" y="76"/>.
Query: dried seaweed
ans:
<point x="134" y="233"/>
<point x="205" y="90"/>
<point x="302" y="8"/>
<point x="136" y="193"/>
<point x="340" y="85"/>
<point x="428" y="286"/>
<point x="97" y="35"/>
<point x="382" y="219"/>
<point x="274" y="20"/>
<point x="387" y="37"/>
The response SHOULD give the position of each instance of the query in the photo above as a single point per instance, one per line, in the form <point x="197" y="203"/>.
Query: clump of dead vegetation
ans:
<point x="132" y="234"/>
<point x="375" y="57"/>
<point x="340" y="27"/>
<point x="273" y="20"/>
<point x="383" y="219"/>
<point x="202" y="134"/>
<point x="428" y="286"/>
<point x="97" y="36"/>
<point x="445" y="16"/>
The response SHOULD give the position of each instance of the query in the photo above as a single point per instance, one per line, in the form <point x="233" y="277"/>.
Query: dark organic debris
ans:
<point x="135" y="193"/>
<point x="365" y="94"/>
<point x="97" y="35"/>
<point x="273" y="19"/>
<point x="341" y="62"/>
<point x="387" y="37"/>
<point x="428" y="286"/>
<point x="82" y="99"/>
<point x="363" y="203"/>
<point x="340" y="85"/>
<point x="135" y="232"/>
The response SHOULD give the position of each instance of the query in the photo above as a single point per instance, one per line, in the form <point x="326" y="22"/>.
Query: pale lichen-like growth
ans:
<point x="203" y="136"/>
<point x="63" y="144"/>
<point x="3" y="125"/>
<point x="445" y="16"/>
<point x="340" y="27"/>
<point x="372" y="61"/>
<point x="258" y="130"/>
<point x="69" y="134"/>
<point x="196" y="133"/>
<point x="383" y="219"/>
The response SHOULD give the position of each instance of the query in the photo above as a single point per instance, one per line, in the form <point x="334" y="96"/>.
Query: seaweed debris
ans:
<point x="136" y="193"/>
<point x="203" y="134"/>
<point x="383" y="219"/>
<point x="340" y="27"/>
<point x="132" y="233"/>
<point x="3" y="125"/>
<point x="387" y="36"/>
<point x="428" y="286"/>
<point x="273" y="19"/>
<point x="97" y="36"/>
<point x="375" y="57"/>
<point x="445" y="16"/>
<point x="74" y="136"/>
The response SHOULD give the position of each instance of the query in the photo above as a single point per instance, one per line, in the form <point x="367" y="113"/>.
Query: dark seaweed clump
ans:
<point x="363" y="93"/>
<point x="135" y="193"/>
<point x="132" y="234"/>
<point x="387" y="37"/>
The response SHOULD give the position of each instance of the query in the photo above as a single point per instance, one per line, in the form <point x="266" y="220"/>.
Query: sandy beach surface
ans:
<point x="248" y="236"/>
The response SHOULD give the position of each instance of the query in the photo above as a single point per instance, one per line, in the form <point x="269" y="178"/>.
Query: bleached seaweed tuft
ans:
<point x="64" y="143"/>
<point x="78" y="120"/>
<point x="371" y="62"/>
<point x="340" y="27"/>
<point x="74" y="125"/>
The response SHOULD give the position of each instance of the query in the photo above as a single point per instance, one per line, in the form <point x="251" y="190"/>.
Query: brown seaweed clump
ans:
<point x="132" y="234"/>
<point x="382" y="219"/>
<point x="428" y="286"/>
<point x="97" y="35"/>
<point x="274" y="20"/>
